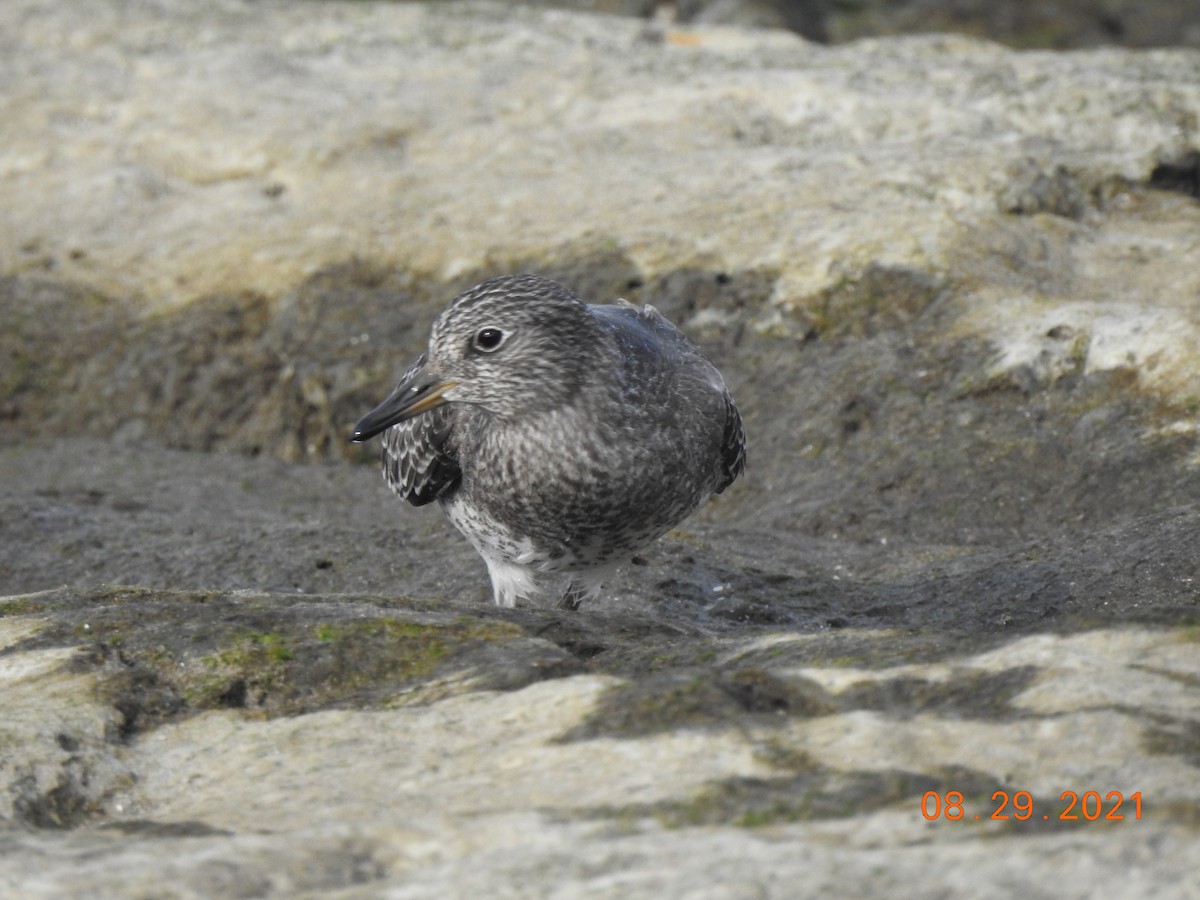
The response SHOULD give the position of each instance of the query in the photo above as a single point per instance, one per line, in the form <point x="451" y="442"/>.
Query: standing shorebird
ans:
<point x="560" y="437"/>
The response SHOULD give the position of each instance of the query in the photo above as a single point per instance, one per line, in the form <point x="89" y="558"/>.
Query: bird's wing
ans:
<point x="733" y="444"/>
<point x="418" y="462"/>
<point x="676" y="349"/>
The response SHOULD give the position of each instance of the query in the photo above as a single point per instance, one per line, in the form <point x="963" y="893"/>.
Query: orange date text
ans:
<point x="1072" y="806"/>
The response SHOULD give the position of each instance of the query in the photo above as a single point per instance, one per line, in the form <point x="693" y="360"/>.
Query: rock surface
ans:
<point x="1056" y="24"/>
<point x="955" y="288"/>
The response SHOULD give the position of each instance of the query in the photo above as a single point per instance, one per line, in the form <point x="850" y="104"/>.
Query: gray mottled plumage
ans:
<point x="560" y="438"/>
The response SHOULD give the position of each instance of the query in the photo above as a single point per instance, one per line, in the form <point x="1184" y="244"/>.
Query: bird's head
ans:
<point x="513" y="346"/>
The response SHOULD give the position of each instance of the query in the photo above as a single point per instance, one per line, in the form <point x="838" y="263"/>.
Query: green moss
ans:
<point x="755" y="819"/>
<point x="253" y="649"/>
<point x="741" y="802"/>
<point x="251" y="668"/>
<point x="22" y="606"/>
<point x="206" y="691"/>
<point x="285" y="666"/>
<point x="403" y="649"/>
<point x="159" y="658"/>
<point x="390" y="649"/>
<point x="1190" y="634"/>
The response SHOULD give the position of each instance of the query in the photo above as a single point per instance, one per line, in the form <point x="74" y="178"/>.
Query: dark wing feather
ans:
<point x="683" y="351"/>
<point x="733" y="444"/>
<point x="418" y="463"/>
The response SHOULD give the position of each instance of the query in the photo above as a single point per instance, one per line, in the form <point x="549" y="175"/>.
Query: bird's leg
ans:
<point x="572" y="596"/>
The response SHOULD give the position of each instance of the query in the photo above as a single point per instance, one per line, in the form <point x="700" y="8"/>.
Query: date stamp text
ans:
<point x="1072" y="806"/>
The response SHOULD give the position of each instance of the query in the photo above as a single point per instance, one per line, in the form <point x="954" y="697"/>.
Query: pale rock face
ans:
<point x="490" y="789"/>
<point x="317" y="136"/>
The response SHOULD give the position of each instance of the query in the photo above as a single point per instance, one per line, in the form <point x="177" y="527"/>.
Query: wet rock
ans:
<point x="1058" y="25"/>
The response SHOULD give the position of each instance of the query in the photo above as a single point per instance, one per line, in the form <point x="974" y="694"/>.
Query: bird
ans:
<point x="560" y="437"/>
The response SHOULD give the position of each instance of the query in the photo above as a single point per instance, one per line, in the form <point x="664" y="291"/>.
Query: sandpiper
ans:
<point x="560" y="437"/>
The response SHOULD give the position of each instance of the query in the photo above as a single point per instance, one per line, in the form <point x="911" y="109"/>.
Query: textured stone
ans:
<point x="354" y="141"/>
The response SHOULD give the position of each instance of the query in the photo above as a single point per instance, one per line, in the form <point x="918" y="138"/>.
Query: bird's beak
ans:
<point x="416" y="394"/>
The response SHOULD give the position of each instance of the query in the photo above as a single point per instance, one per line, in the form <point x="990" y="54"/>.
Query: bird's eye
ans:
<point x="489" y="339"/>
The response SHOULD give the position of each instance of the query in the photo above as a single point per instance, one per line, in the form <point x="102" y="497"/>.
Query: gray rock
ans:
<point x="1058" y="24"/>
